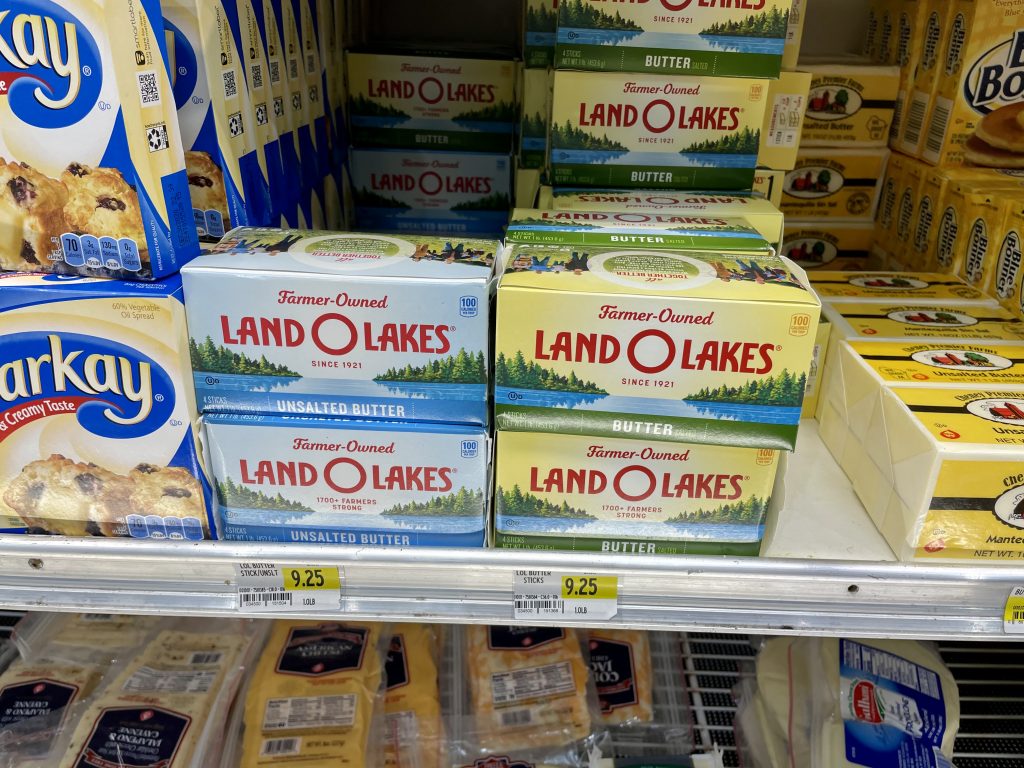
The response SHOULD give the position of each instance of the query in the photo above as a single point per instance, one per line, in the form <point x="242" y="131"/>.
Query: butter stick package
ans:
<point x="979" y="215"/>
<point x="535" y="122"/>
<point x="539" y="27"/>
<point x="784" y="120"/>
<point x="850" y="103"/>
<point x="648" y="131"/>
<point x="894" y="320"/>
<point x="344" y="481"/>
<point x="668" y="354"/>
<point x="834" y="183"/>
<point x="636" y="496"/>
<point x="413" y="729"/>
<point x="939" y="187"/>
<point x="935" y="32"/>
<point x="734" y="40"/>
<point x="794" y="34"/>
<point x="1007" y="276"/>
<point x="92" y="169"/>
<point x="885" y="214"/>
<point x="901" y="241"/>
<point x="894" y="286"/>
<point x="821" y="244"/>
<point x="331" y="324"/>
<point x="768" y="184"/>
<point x="910" y="22"/>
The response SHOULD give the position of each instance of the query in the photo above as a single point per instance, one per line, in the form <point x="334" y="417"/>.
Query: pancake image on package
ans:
<point x="998" y="141"/>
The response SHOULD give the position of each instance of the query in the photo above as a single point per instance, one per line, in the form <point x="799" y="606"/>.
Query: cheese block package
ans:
<point x="314" y="697"/>
<point x="834" y="184"/>
<point x="850" y="103"/>
<point x="834" y="286"/>
<point x="99" y="430"/>
<point x="345" y="481"/>
<point x="311" y="323"/>
<point x="673" y="351"/>
<point x="413" y="729"/>
<point x="783" y="120"/>
<point x="655" y="132"/>
<point x="721" y="39"/>
<point x="92" y="170"/>
<point x="85" y="638"/>
<point x="821" y="244"/>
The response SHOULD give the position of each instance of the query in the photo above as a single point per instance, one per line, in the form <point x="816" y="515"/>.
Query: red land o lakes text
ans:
<point x="660" y="115"/>
<point x="431" y="183"/>
<point x="346" y="475"/>
<point x="682" y="5"/>
<point x="665" y="200"/>
<point x="431" y="91"/>
<point x="633" y="218"/>
<point x="335" y="334"/>
<point x="666" y="485"/>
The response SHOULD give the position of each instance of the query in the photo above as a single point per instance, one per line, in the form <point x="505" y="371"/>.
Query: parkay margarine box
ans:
<point x="539" y="27"/>
<point x="671" y="349"/>
<point x="610" y="129"/>
<point x="735" y="39"/>
<point x="421" y="102"/>
<point x="92" y="171"/>
<point x="783" y="122"/>
<point x="98" y="433"/>
<point x="834" y="183"/>
<point x="922" y="320"/>
<point x="850" y="103"/>
<point x="894" y="286"/>
<point x="821" y="244"/>
<point x="342" y="324"/>
<point x="346" y="481"/>
<point x="399" y="190"/>
<point x="587" y="494"/>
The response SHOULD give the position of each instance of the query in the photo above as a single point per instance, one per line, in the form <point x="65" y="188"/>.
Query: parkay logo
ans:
<point x="50" y="69"/>
<point x="431" y="91"/>
<point x="997" y="77"/>
<point x="346" y="475"/>
<point x="431" y="184"/>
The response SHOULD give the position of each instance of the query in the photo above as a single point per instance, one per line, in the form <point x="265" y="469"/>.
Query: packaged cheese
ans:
<point x="783" y="121"/>
<point x="894" y="286"/>
<point x="768" y="184"/>
<point x="850" y="103"/>
<point x="399" y="190"/>
<point x="734" y="40"/>
<point x="866" y="320"/>
<point x="99" y="417"/>
<point x="816" y="244"/>
<point x="581" y="493"/>
<point x="308" y="323"/>
<point x="82" y="638"/>
<point x="314" y="697"/>
<point x="620" y="661"/>
<point x="651" y="132"/>
<point x="92" y="171"/>
<point x="834" y="184"/>
<point x="535" y="122"/>
<point x="672" y="351"/>
<point x="413" y="732"/>
<point x="419" y="102"/>
<point x="539" y="33"/>
<point x="934" y="33"/>
<point x="342" y="481"/>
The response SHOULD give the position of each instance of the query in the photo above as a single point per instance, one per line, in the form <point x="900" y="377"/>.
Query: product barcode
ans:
<point x="149" y="88"/>
<point x="1018" y="614"/>
<point x="915" y="122"/>
<point x="230" y="84"/>
<point x="275" y="72"/>
<point x="310" y="64"/>
<point x="257" y="76"/>
<point x="293" y="69"/>
<point x="540" y="605"/>
<point x="937" y="129"/>
<point x="266" y="598"/>
<point x="281" y="747"/>
<point x="516" y="717"/>
<point x="206" y="658"/>
<point x="897" y="119"/>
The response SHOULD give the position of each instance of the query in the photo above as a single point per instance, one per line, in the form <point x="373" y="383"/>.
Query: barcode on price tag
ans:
<point x="553" y="595"/>
<point x="1013" y="613"/>
<point x="274" y="588"/>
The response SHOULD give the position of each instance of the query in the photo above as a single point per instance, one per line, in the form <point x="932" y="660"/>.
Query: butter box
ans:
<point x="939" y="184"/>
<point x="342" y="324"/>
<point x="958" y="490"/>
<point x="743" y="39"/>
<point x="834" y="183"/>
<point x="1007" y="276"/>
<point x="647" y="131"/>
<point x="671" y="349"/>
<point x="535" y="121"/>
<point x="978" y="97"/>
<point x="401" y="190"/>
<point x="783" y="121"/>
<point x="92" y="171"/>
<point x="815" y="373"/>
<point x="903" y="228"/>
<point x="527" y="187"/>
<point x="934" y="287"/>
<point x="98" y="435"/>
<point x="539" y="27"/>
<point x="346" y="481"/>
<point x="821" y="244"/>
<point x="986" y="322"/>
<point x="938" y="20"/>
<point x="422" y="102"/>
<point x="768" y="184"/>
<point x="885" y="216"/>
<point x="980" y="213"/>
<point x="591" y="494"/>
<point x="762" y="215"/>
<point x="794" y="34"/>
<point x="850" y="103"/>
<point x="910" y="23"/>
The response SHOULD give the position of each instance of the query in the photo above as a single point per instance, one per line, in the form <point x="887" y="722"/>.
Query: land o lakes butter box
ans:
<point x="593" y="494"/>
<point x="621" y="341"/>
<point x="345" y="481"/>
<point x="422" y="102"/>
<point x="783" y="121"/>
<point x="651" y="131"/>
<point x="539" y="27"/>
<point x="342" y="324"/>
<point x="735" y="39"/>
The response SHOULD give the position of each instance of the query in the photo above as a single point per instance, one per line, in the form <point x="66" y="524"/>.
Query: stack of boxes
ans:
<point x="536" y="77"/>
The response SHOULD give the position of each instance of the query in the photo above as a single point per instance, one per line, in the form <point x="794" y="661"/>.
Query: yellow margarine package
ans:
<point x="413" y="732"/>
<point x="901" y="238"/>
<point x="620" y="660"/>
<point x="850" y="104"/>
<point x="938" y="186"/>
<point x="312" y="697"/>
<point x="833" y="286"/>
<point x="910" y="23"/>
<point x="938" y="18"/>
<point x="834" y="183"/>
<point x="922" y="320"/>
<point x="982" y="214"/>
<point x="1007" y="279"/>
<point x="768" y="184"/>
<point x="822" y="244"/>
<point x="783" y="121"/>
<point x="885" y="217"/>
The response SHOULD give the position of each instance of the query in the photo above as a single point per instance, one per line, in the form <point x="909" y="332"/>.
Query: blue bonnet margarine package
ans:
<point x="92" y="171"/>
<point x="345" y="481"/>
<point x="98" y="431"/>
<point x="342" y="324"/>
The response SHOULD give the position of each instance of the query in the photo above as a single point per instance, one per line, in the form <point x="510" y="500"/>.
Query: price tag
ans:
<point x="1013" y="613"/>
<point x="553" y="595"/>
<point x="273" y="588"/>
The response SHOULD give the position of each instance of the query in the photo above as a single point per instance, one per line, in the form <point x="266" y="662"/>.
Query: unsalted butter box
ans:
<point x="590" y="494"/>
<point x="894" y="286"/>
<point x="834" y="183"/>
<point x="822" y="244"/>
<point x="342" y="324"/>
<point x="652" y="342"/>
<point x="862" y="319"/>
<point x="344" y="481"/>
<point x="851" y="103"/>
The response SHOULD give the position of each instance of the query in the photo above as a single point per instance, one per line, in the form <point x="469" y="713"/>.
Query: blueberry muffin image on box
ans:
<point x="31" y="218"/>
<point x="206" y="187"/>
<point x="164" y="491"/>
<point x="102" y="204"/>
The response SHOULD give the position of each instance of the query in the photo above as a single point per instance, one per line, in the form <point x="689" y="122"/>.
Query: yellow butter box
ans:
<point x="768" y="184"/>
<point x="601" y="494"/>
<point x="885" y="217"/>
<point x="894" y="286"/>
<point x="535" y="118"/>
<point x="834" y="184"/>
<point x="850" y="103"/>
<point x="975" y="115"/>
<point x="938" y="186"/>
<point x="985" y="322"/>
<point x="910" y="24"/>
<point x="903" y="229"/>
<point x="1008" y="275"/>
<point x="980" y="209"/>
<point x="527" y="186"/>
<point x="817" y="244"/>
<point x="879" y="30"/>
<point x="815" y="374"/>
<point x="783" y="120"/>
<point x="794" y="34"/>
<point x="938" y="17"/>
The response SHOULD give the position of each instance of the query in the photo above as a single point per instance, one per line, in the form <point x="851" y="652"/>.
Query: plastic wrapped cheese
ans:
<point x="620" y="661"/>
<point x="412" y="701"/>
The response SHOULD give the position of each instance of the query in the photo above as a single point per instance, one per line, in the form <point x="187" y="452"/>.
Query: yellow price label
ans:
<point x="583" y="587"/>
<point x="305" y="577"/>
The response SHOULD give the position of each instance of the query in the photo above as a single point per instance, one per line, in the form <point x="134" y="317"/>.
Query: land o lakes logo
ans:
<point x="932" y="318"/>
<point x="962" y="360"/>
<point x="1009" y="507"/>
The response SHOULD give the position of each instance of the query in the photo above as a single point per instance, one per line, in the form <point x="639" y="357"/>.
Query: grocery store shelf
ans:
<point x="825" y="575"/>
